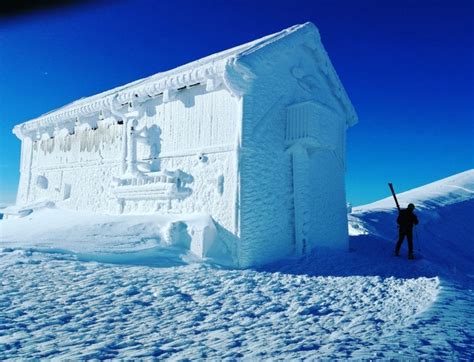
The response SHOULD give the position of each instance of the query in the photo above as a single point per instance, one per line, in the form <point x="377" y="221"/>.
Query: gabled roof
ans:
<point x="211" y="68"/>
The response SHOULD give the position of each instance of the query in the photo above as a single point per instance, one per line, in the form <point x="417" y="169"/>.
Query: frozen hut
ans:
<point x="254" y="136"/>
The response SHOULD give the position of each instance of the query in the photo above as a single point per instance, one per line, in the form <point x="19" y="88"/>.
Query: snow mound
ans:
<point x="21" y="211"/>
<point x="151" y="239"/>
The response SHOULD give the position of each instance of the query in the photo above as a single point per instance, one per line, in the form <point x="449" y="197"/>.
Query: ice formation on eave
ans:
<point x="212" y="70"/>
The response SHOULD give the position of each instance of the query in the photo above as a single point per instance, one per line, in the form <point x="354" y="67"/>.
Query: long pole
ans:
<point x="394" y="196"/>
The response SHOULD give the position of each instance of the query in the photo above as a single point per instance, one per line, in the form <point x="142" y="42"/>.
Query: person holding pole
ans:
<point x="406" y="220"/>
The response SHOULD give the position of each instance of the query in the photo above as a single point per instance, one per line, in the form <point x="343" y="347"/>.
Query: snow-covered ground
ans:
<point x="99" y="295"/>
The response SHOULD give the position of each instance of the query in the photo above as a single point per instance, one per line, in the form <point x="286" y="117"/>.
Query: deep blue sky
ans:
<point x="406" y="65"/>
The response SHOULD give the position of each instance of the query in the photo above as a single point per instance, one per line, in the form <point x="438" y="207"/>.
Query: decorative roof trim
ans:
<point x="209" y="74"/>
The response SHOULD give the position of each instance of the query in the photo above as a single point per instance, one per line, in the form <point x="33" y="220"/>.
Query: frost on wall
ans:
<point x="293" y="161"/>
<point x="25" y="171"/>
<point x="200" y="141"/>
<point x="75" y="165"/>
<point x="181" y="153"/>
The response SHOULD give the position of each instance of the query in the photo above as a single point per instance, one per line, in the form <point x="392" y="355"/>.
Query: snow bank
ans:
<point x="450" y="190"/>
<point x="14" y="211"/>
<point x="445" y="235"/>
<point x="125" y="239"/>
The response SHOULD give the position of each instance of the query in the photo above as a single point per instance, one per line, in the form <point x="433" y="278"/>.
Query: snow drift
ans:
<point x="157" y="240"/>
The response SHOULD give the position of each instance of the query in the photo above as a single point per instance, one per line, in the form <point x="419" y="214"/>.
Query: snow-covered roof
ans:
<point x="208" y="70"/>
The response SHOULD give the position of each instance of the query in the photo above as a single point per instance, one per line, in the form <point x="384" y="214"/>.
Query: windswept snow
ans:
<point x="451" y="190"/>
<point x="121" y="239"/>
<point x="54" y="306"/>
<point x="445" y="236"/>
<point x="364" y="303"/>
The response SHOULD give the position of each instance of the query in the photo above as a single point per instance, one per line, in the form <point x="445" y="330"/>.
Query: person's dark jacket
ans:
<point x="406" y="219"/>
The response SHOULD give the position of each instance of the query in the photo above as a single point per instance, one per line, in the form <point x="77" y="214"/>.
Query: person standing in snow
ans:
<point x="406" y="220"/>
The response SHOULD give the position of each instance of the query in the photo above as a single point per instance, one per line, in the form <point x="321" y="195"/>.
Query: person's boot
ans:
<point x="411" y="256"/>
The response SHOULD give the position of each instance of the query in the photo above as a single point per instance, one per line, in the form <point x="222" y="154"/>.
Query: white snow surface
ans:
<point x="86" y="291"/>
<point x="448" y="191"/>
<point x="121" y="239"/>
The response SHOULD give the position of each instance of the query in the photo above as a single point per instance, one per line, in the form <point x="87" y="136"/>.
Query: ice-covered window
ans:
<point x="66" y="191"/>
<point x="220" y="184"/>
<point x="313" y="124"/>
<point x="300" y="121"/>
<point x="42" y="182"/>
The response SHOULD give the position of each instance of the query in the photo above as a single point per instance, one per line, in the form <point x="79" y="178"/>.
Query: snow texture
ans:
<point x="116" y="238"/>
<point x="363" y="304"/>
<point x="253" y="136"/>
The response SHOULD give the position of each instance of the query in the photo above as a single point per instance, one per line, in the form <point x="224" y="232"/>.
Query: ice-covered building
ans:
<point x="254" y="136"/>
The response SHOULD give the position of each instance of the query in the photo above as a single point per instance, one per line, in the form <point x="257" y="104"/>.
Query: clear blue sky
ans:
<point x="406" y="65"/>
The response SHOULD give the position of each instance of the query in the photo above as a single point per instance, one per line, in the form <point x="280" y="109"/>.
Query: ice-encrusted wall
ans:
<point x="266" y="185"/>
<point x="298" y="186"/>
<point x="77" y="168"/>
<point x="193" y="132"/>
<point x="25" y="173"/>
<point x="198" y="137"/>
